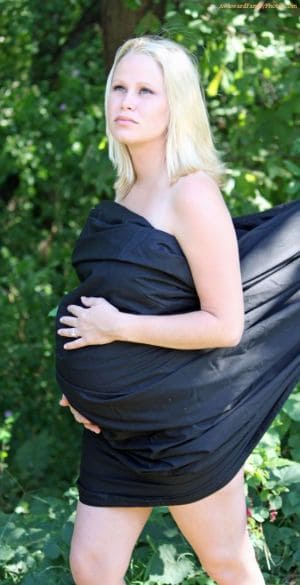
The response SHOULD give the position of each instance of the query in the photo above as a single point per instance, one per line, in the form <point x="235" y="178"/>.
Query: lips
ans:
<point x="125" y="119"/>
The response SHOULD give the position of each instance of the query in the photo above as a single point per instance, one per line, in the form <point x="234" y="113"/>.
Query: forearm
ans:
<point x="193" y="330"/>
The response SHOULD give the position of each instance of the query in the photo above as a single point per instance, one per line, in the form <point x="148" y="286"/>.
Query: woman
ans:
<point x="179" y="360"/>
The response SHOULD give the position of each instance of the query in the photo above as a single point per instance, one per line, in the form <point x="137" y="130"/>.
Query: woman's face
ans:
<point x="138" y="110"/>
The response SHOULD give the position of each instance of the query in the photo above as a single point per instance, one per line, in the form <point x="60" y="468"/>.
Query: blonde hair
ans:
<point x="189" y="146"/>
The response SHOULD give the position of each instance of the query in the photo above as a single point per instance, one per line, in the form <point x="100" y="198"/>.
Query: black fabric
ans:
<point x="178" y="424"/>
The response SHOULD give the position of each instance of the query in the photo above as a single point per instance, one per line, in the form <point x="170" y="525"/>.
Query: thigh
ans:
<point x="216" y="526"/>
<point x="107" y="534"/>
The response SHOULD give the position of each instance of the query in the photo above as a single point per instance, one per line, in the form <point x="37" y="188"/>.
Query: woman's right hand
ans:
<point x="79" y="417"/>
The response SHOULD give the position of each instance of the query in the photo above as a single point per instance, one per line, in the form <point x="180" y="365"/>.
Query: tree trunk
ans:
<point x="118" y="23"/>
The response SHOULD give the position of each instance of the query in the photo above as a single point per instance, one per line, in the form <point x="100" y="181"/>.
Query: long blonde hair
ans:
<point x="190" y="146"/>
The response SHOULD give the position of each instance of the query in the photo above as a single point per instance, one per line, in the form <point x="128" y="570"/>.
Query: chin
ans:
<point x="126" y="136"/>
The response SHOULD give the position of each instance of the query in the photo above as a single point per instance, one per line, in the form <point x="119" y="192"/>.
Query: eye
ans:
<point x="146" y="90"/>
<point x="118" y="88"/>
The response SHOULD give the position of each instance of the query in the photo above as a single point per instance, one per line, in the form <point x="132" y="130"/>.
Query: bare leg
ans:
<point x="103" y="541"/>
<point x="216" y="528"/>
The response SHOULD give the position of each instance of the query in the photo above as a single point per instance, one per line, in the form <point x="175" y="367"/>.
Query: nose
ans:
<point x="128" y="102"/>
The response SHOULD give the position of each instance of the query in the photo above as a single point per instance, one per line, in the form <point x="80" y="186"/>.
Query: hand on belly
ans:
<point x="94" y="325"/>
<point x="78" y="417"/>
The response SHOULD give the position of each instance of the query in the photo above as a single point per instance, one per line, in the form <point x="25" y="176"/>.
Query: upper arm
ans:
<point x="205" y="231"/>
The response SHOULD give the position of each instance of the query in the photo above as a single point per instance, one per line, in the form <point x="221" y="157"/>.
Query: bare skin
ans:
<point x="102" y="543"/>
<point x="104" y="537"/>
<point x="215" y="527"/>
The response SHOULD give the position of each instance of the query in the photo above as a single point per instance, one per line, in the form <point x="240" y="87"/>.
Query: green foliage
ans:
<point x="273" y="500"/>
<point x="249" y="69"/>
<point x="53" y="169"/>
<point x="35" y="541"/>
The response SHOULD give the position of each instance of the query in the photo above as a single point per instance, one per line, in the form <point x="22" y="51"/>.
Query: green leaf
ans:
<point x="33" y="580"/>
<point x="174" y="569"/>
<point x="154" y="566"/>
<point x="66" y="532"/>
<point x="295" y="169"/>
<point x="291" y="501"/>
<point x="294" y="444"/>
<point x="34" y="454"/>
<point x="260" y="514"/>
<point x="52" y="550"/>
<point x="53" y="312"/>
<point x="275" y="502"/>
<point x="290" y="474"/>
<point x="6" y="553"/>
<point x="292" y="407"/>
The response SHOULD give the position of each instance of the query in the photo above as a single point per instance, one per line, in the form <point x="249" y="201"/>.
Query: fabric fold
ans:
<point x="171" y="411"/>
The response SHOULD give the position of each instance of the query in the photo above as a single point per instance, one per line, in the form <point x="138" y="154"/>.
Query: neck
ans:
<point x="149" y="164"/>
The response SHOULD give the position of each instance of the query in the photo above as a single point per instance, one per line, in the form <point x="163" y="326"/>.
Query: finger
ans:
<point x="91" y="300"/>
<point x="75" y="344"/>
<point x="79" y="417"/>
<point x="69" y="332"/>
<point x="93" y="428"/>
<point x="64" y="401"/>
<point x="72" y="321"/>
<point x="75" y="310"/>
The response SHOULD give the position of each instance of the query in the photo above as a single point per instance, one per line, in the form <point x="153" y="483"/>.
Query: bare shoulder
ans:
<point x="205" y="231"/>
<point x="196" y="199"/>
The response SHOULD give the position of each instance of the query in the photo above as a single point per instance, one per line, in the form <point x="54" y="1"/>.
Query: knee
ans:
<point x="89" y="566"/>
<point x="222" y="570"/>
<point x="227" y="568"/>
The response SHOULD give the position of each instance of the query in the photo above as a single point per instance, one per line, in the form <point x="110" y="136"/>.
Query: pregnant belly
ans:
<point x="115" y="367"/>
<point x="118" y="385"/>
<point x="121" y="383"/>
<point x="119" y="366"/>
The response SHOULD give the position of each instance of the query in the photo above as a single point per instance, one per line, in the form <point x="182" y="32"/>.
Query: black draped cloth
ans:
<point x="178" y="424"/>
